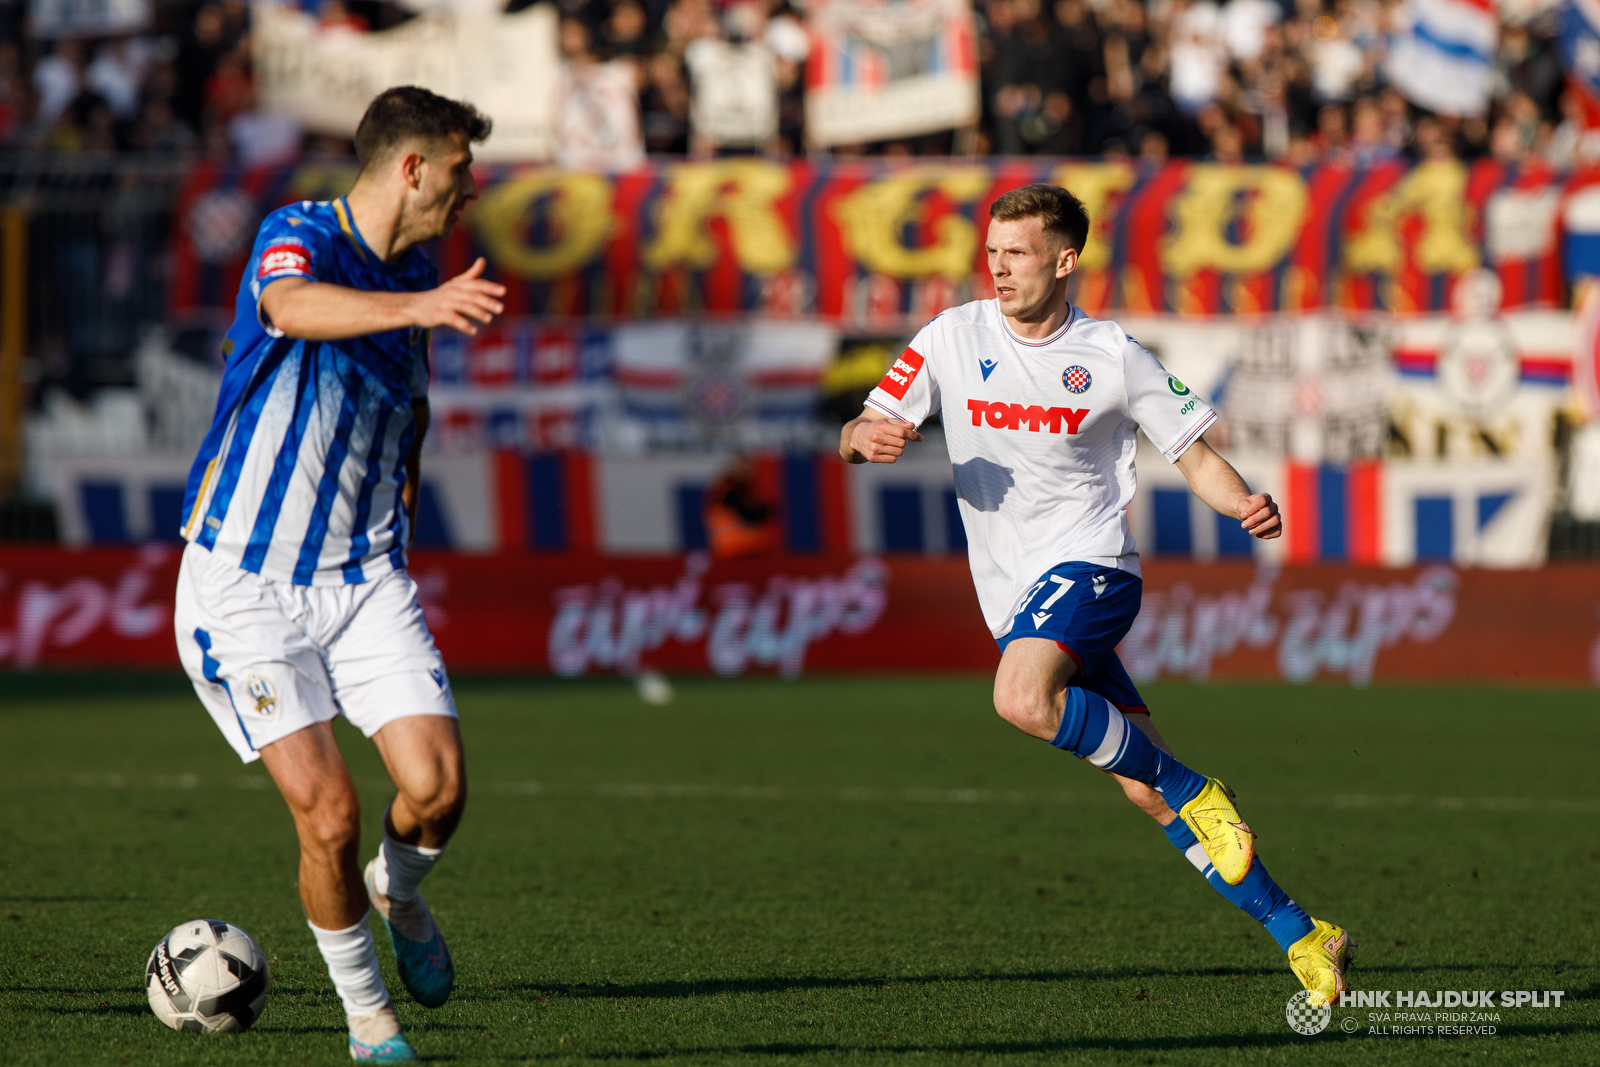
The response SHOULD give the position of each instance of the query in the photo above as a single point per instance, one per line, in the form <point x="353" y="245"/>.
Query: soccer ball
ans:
<point x="207" y="976"/>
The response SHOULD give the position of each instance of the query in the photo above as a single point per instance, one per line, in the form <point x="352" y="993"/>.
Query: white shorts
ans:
<point x="269" y="658"/>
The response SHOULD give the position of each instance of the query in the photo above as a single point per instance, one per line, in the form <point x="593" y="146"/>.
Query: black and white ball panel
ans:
<point x="207" y="976"/>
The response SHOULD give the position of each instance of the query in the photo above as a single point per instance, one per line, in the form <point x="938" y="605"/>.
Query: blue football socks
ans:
<point x="1258" y="896"/>
<point x="1092" y="729"/>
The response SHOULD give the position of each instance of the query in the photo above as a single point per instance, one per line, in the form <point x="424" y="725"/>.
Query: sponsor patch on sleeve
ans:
<point x="902" y="374"/>
<point x="285" y="258"/>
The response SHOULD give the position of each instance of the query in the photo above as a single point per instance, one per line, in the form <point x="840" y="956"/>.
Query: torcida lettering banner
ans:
<point x="890" y="245"/>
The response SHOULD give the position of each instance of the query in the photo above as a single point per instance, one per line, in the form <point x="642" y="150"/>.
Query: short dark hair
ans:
<point x="1062" y="214"/>
<point x="407" y="113"/>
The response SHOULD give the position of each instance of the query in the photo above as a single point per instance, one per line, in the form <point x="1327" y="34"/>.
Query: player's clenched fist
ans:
<point x="1259" y="516"/>
<point x="876" y="440"/>
<point x="462" y="303"/>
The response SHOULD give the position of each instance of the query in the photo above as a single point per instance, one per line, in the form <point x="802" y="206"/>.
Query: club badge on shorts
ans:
<point x="263" y="695"/>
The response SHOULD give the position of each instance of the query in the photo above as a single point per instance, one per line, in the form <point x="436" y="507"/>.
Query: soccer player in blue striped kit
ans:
<point x="1040" y="406"/>
<point x="293" y="603"/>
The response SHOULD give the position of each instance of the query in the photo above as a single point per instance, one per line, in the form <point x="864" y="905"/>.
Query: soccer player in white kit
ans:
<point x="293" y="603"/>
<point x="1040" y="406"/>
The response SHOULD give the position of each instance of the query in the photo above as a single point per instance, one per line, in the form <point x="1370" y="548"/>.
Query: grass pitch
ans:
<point x="830" y="871"/>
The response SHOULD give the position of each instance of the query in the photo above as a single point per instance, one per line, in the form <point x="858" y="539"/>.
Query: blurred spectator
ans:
<point x="1199" y="59"/>
<point x="739" y="519"/>
<point x="117" y="71"/>
<point x="625" y="29"/>
<point x="1135" y="78"/>
<point x="200" y="46"/>
<point x="160" y="130"/>
<point x="15" y="99"/>
<point x="264" y="137"/>
<point x="1368" y="145"/>
<point x="58" y="78"/>
<point x="665" y="105"/>
<point x="1244" y="26"/>
<point x="1336" y="61"/>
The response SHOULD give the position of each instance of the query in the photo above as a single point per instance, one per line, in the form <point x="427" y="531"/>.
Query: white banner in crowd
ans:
<point x="87" y="18"/>
<point x="735" y="92"/>
<point x="884" y="70"/>
<point x="506" y="65"/>
<point x="599" y="118"/>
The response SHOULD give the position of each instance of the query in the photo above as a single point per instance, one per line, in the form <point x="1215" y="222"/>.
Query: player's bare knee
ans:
<point x="1026" y="708"/>
<point x="446" y="805"/>
<point x="333" y="827"/>
<point x="439" y="806"/>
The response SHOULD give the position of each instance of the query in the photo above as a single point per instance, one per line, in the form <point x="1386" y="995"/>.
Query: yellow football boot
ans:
<point x="1319" y="960"/>
<point x="1229" y="843"/>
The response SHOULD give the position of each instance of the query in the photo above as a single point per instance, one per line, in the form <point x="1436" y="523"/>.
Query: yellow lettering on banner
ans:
<point x="873" y="216"/>
<point x="578" y="210"/>
<point x="1435" y="191"/>
<point x="740" y="191"/>
<point x="1269" y="201"/>
<point x="1096" y="184"/>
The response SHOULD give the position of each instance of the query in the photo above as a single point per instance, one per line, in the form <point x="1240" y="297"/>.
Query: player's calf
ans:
<point x="1091" y="729"/>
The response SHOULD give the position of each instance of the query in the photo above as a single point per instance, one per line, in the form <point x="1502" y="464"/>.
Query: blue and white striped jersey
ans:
<point x="299" y="477"/>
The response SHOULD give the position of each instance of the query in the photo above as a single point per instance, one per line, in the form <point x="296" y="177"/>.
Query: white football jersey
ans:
<point x="1042" y="438"/>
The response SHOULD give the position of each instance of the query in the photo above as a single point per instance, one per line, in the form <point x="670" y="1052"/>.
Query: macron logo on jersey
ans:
<point x="1003" y="416"/>
<point x="902" y="374"/>
<point x="285" y="259"/>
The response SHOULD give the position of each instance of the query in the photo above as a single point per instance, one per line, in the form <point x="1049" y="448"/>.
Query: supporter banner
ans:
<point x="884" y="70"/>
<point x="87" y="18"/>
<point x="735" y="89"/>
<point x="1442" y="54"/>
<point x="599" y="120"/>
<point x="505" y="64"/>
<point x="887" y="245"/>
<point x="575" y="615"/>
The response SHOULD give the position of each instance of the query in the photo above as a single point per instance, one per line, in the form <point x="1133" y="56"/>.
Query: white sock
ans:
<point x="402" y="867"/>
<point x="353" y="966"/>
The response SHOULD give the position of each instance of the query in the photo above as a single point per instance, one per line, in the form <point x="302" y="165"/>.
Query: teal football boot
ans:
<point x="419" y="948"/>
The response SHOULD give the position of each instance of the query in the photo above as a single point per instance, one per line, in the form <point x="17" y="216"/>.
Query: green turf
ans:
<point x="846" y="871"/>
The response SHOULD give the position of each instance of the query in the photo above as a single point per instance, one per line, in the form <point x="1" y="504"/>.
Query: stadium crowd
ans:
<point x="1298" y="80"/>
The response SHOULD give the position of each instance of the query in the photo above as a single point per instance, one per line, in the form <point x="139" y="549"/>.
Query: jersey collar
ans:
<point x="347" y="224"/>
<point x="1072" y="317"/>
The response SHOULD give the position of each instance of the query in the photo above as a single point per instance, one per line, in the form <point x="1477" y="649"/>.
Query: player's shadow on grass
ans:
<point x="1000" y="1048"/>
<point x="267" y="1028"/>
<point x="107" y="991"/>
<point x="710" y="987"/>
<point x="67" y="900"/>
<point x="98" y="1009"/>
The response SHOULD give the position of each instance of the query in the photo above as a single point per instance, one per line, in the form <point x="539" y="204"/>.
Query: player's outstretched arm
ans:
<point x="318" y="311"/>
<point x="873" y="437"/>
<point x="1214" y="481"/>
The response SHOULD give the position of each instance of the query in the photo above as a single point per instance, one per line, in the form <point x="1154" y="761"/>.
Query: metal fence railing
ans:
<point x="83" y="272"/>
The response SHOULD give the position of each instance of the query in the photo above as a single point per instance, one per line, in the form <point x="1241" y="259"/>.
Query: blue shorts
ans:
<point x="1087" y="610"/>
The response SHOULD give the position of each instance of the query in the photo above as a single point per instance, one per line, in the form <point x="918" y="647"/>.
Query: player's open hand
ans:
<point x="1259" y="516"/>
<point x="882" y="440"/>
<point x="464" y="303"/>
